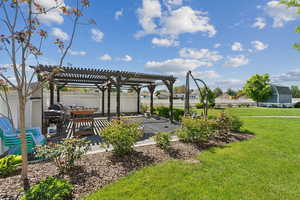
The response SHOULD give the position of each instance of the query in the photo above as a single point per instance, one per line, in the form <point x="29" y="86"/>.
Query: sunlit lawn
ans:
<point x="266" y="167"/>
<point x="258" y="111"/>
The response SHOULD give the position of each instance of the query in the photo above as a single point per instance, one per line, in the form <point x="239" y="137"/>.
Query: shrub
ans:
<point x="122" y="135"/>
<point x="227" y="123"/>
<point x="64" y="154"/>
<point x="297" y="105"/>
<point x="162" y="111"/>
<point x="201" y="105"/>
<point x="162" y="140"/>
<point x="144" y="108"/>
<point x="165" y="112"/>
<point x="178" y="114"/>
<point x="236" y="123"/>
<point x="49" y="189"/>
<point x="8" y="165"/>
<point x="196" y="130"/>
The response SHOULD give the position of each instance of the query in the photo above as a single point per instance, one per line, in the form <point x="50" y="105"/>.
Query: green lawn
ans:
<point x="259" y="111"/>
<point x="266" y="167"/>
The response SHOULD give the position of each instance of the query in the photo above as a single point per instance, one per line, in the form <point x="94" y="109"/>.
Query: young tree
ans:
<point x="295" y="91"/>
<point x="210" y="96"/>
<point x="258" y="88"/>
<point x="231" y="92"/>
<point x="218" y="92"/>
<point x="293" y="4"/>
<point x="22" y="36"/>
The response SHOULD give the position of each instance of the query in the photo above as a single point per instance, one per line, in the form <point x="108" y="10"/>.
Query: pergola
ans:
<point x="105" y="80"/>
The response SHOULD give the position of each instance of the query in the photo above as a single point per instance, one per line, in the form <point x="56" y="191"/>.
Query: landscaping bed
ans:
<point x="98" y="170"/>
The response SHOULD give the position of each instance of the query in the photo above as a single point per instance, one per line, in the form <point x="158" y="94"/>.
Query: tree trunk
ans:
<point x="24" y="177"/>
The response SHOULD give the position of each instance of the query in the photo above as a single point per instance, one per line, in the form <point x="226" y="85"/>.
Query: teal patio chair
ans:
<point x="11" y="139"/>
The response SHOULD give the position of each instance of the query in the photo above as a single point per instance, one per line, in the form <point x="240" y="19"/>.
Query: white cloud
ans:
<point x="204" y="55"/>
<point x="173" y="2"/>
<point x="217" y="45"/>
<point x="97" y="35"/>
<point x="54" y="15"/>
<point x="290" y="76"/>
<point x="105" y="57"/>
<point x="172" y="22"/>
<point x="209" y="74"/>
<point x="186" y="20"/>
<point x="58" y="33"/>
<point x="164" y="42"/>
<point x="237" y="46"/>
<point x="127" y="58"/>
<point x="258" y="45"/>
<point x="118" y="14"/>
<point x="280" y="13"/>
<point x="77" y="53"/>
<point x="259" y="23"/>
<point x="151" y="9"/>
<point x="236" y="61"/>
<point x="175" y="66"/>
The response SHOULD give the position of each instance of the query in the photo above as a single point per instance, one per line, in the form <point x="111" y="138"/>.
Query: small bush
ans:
<point x="162" y="140"/>
<point x="227" y="123"/>
<point x="122" y="135"/>
<point x="49" y="189"/>
<point x="236" y="123"/>
<point x="8" y="165"/>
<point x="196" y="130"/>
<point x="178" y="114"/>
<point x="144" y="108"/>
<point x="165" y="112"/>
<point x="201" y="105"/>
<point x="65" y="154"/>
<point x="297" y="105"/>
<point x="162" y="111"/>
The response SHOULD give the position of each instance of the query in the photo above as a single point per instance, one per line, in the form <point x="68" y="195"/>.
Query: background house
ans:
<point x="281" y="97"/>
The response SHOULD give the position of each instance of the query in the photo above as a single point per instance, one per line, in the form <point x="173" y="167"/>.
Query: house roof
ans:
<point x="283" y="90"/>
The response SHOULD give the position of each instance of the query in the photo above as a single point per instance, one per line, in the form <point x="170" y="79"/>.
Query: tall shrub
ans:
<point x="196" y="130"/>
<point x="122" y="135"/>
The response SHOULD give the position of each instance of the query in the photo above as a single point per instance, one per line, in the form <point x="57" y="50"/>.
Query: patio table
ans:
<point x="85" y="119"/>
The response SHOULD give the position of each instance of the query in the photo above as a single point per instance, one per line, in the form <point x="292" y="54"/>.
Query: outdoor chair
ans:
<point x="11" y="138"/>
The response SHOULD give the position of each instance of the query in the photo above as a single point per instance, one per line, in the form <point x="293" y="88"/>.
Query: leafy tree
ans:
<point x="218" y="92"/>
<point x="22" y="36"/>
<point x="210" y="96"/>
<point x="231" y="92"/>
<point x="293" y="4"/>
<point x="258" y="87"/>
<point x="295" y="91"/>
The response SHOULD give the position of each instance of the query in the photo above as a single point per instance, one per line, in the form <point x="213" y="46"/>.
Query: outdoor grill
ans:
<point x="57" y="114"/>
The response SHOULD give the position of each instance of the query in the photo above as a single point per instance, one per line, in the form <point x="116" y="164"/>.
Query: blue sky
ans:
<point x="222" y="42"/>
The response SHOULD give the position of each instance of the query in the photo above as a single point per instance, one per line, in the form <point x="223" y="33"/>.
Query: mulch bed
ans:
<point x="98" y="170"/>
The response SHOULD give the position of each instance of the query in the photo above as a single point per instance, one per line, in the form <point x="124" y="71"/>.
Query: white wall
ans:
<point x="34" y="111"/>
<point x="128" y="101"/>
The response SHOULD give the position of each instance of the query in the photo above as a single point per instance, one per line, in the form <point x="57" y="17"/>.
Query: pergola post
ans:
<point x="58" y="94"/>
<point x="138" y="92"/>
<point x="170" y="85"/>
<point x="108" y="101"/>
<point x="51" y="88"/>
<point x="103" y="101"/>
<point x="151" y="89"/>
<point x="118" y="87"/>
<point x="187" y="95"/>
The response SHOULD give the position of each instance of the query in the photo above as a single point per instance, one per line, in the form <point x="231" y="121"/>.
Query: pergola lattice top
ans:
<point x="100" y="77"/>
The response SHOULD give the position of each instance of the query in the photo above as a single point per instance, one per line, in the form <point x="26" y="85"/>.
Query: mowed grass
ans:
<point x="266" y="167"/>
<point x="253" y="111"/>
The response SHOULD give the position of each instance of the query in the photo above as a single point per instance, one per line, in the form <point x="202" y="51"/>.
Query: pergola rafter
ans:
<point x="105" y="80"/>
